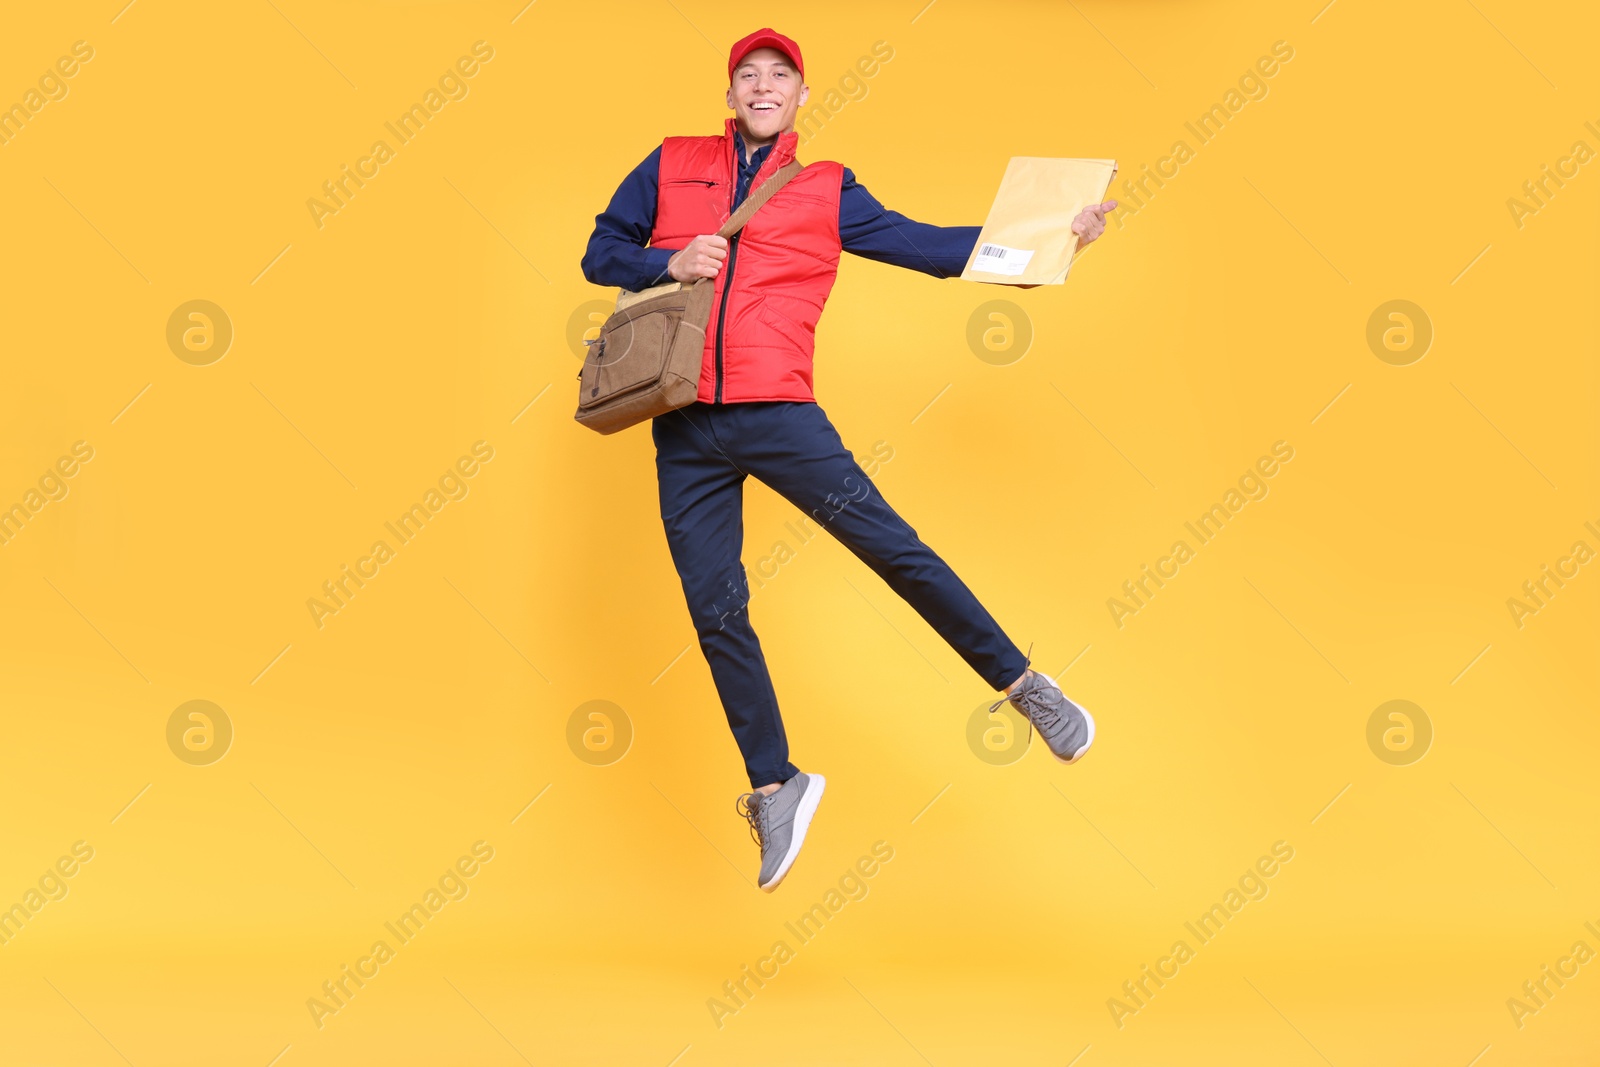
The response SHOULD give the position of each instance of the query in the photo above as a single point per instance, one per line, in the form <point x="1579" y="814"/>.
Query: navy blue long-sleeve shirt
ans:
<point x="617" y="253"/>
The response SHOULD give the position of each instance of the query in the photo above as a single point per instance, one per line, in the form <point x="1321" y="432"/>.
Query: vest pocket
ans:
<point x="786" y="358"/>
<point x="788" y="316"/>
<point x="687" y="207"/>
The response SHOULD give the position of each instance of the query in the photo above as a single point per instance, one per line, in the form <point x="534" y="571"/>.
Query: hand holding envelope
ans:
<point x="1045" y="210"/>
<point x="1091" y="222"/>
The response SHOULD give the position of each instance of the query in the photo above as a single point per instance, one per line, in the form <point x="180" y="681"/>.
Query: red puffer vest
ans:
<point x="779" y="271"/>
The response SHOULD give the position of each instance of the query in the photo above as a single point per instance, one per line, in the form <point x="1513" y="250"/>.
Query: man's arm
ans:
<point x="869" y="230"/>
<point x="617" y="254"/>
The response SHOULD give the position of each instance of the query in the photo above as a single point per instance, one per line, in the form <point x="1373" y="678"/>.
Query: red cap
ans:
<point x="766" y="37"/>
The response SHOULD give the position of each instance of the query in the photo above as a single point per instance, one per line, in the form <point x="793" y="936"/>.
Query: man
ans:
<point x="755" y="413"/>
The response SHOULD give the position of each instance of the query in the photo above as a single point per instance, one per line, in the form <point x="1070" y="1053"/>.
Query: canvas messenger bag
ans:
<point x="646" y="360"/>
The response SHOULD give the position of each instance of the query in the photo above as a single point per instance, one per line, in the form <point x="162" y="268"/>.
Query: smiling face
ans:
<point x="765" y="95"/>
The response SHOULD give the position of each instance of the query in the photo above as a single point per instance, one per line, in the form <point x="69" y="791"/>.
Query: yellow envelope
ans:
<point x="1027" y="238"/>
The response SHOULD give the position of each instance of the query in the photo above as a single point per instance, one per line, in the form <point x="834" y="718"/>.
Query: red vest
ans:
<point x="781" y="265"/>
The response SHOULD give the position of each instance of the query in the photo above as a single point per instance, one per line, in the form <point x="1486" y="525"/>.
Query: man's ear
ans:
<point x="730" y="98"/>
<point x="805" y="90"/>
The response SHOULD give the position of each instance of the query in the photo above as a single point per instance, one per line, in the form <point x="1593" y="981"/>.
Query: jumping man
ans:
<point x="755" y="414"/>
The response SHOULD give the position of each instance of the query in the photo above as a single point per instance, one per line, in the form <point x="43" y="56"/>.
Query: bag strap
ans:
<point x="753" y="201"/>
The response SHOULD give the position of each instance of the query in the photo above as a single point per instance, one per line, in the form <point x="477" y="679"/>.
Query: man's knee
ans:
<point x="720" y="605"/>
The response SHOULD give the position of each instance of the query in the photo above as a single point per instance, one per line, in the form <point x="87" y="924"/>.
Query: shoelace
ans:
<point x="755" y="812"/>
<point x="1035" y="710"/>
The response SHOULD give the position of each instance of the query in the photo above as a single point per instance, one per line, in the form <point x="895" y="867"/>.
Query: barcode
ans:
<point x="993" y="251"/>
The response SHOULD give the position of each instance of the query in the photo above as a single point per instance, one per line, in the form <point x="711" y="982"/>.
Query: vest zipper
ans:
<point x="722" y="308"/>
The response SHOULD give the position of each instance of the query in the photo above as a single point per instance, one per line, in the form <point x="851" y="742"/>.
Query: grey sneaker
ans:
<point x="779" y="823"/>
<point x="1065" y="727"/>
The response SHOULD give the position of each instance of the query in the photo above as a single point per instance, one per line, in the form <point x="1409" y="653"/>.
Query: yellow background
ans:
<point x="370" y="353"/>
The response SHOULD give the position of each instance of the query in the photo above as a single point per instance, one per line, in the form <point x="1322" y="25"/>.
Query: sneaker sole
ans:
<point x="802" y="822"/>
<point x="1078" y="755"/>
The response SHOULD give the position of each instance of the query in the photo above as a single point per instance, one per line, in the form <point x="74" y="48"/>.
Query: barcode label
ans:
<point x="1000" y="259"/>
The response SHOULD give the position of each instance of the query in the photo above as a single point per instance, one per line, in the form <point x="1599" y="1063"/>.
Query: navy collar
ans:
<point x="756" y="158"/>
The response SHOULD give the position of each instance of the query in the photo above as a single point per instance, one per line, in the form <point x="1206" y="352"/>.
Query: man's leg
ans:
<point x="702" y="494"/>
<point x="794" y="448"/>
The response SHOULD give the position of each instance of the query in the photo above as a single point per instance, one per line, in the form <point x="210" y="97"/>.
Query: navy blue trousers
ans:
<point x="704" y="452"/>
